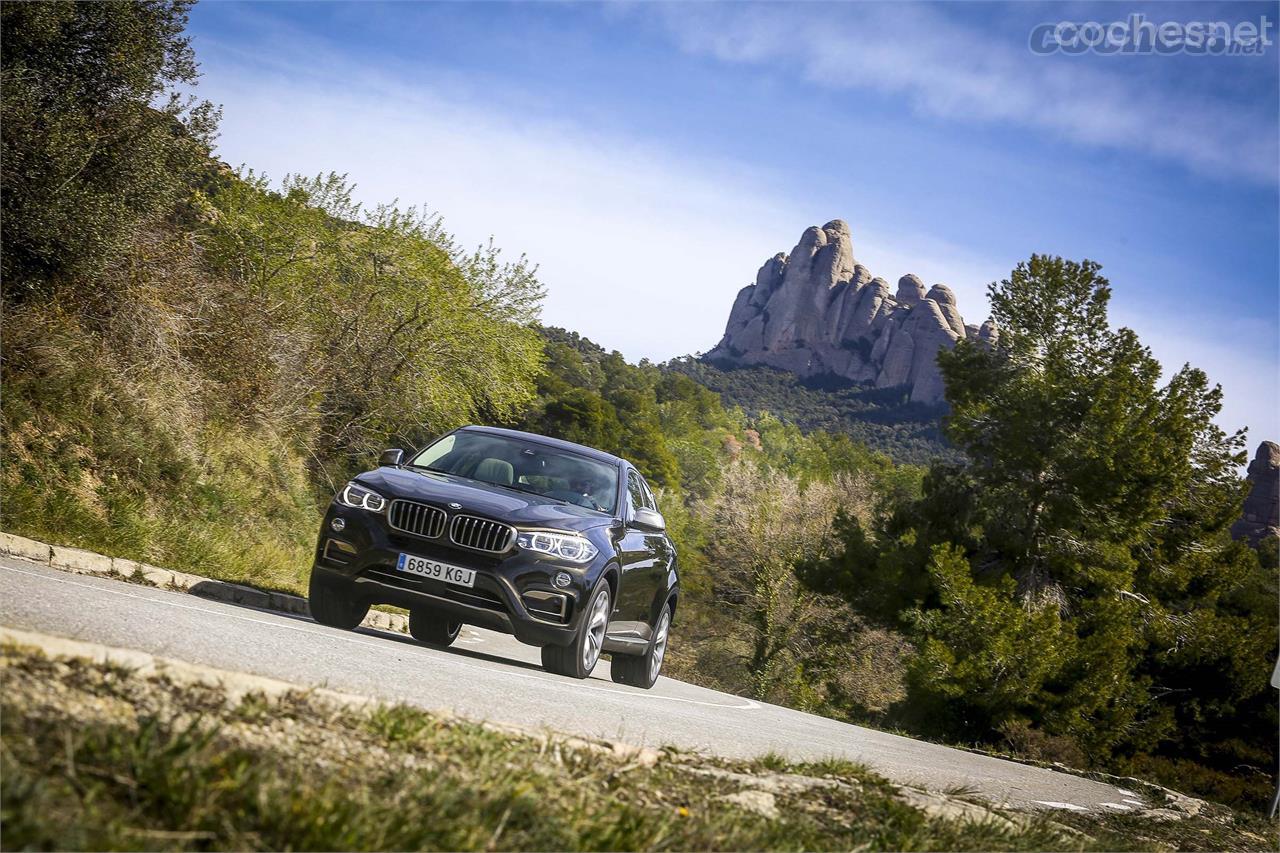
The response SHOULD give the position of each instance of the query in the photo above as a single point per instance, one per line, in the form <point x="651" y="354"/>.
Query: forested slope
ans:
<point x="883" y="419"/>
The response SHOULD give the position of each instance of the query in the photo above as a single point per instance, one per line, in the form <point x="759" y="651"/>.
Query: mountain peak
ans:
<point x="1261" y="515"/>
<point x="817" y="311"/>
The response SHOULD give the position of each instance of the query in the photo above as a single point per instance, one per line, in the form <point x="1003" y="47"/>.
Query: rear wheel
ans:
<point x="642" y="670"/>
<point x="427" y="626"/>
<point x="335" y="604"/>
<point x="580" y="657"/>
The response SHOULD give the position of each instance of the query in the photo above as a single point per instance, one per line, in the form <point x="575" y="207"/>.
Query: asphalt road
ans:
<point x="491" y="676"/>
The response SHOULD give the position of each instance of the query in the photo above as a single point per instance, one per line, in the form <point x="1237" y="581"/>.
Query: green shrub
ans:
<point x="97" y="139"/>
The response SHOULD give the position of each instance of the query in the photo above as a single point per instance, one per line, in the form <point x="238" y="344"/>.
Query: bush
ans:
<point x="1026" y="741"/>
<point x="97" y="139"/>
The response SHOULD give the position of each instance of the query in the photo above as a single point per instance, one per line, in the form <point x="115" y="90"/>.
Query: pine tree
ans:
<point x="1075" y="573"/>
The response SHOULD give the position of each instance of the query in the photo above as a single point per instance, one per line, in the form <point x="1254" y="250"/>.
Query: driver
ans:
<point x="589" y="487"/>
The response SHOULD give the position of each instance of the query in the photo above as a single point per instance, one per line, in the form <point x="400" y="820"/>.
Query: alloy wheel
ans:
<point x="659" y="645"/>
<point x="597" y="621"/>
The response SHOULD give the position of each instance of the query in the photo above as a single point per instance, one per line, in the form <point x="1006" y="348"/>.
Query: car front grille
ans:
<point x="418" y="519"/>
<point x="481" y="534"/>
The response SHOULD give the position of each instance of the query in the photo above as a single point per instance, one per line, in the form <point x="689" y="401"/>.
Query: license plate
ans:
<point x="436" y="570"/>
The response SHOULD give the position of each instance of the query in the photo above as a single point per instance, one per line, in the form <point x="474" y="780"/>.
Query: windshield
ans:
<point x="526" y="467"/>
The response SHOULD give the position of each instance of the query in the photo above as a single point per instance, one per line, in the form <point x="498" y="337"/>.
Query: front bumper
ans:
<point x="513" y="592"/>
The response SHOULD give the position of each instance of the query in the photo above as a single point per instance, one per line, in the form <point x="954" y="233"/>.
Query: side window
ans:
<point x="651" y="501"/>
<point x="636" y="493"/>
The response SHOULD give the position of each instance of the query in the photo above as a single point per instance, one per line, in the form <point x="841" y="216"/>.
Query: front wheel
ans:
<point x="642" y="670"/>
<point x="427" y="626"/>
<point x="335" y="604"/>
<point x="580" y="657"/>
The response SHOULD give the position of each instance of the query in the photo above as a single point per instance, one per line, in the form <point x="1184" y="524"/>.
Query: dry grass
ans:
<point x="98" y="757"/>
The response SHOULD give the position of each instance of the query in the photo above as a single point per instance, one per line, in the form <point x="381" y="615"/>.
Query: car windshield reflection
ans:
<point x="524" y="466"/>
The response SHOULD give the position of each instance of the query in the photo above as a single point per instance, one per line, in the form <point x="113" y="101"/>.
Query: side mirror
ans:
<point x="391" y="457"/>
<point x="649" y="519"/>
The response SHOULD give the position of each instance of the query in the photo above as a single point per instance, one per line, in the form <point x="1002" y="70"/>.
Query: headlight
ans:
<point x="565" y="546"/>
<point x="356" y="495"/>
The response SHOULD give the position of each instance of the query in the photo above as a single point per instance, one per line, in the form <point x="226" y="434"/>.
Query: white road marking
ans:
<point x="1138" y="803"/>
<point x="542" y="680"/>
<point x="1117" y="807"/>
<point x="1071" y="807"/>
<point x="1130" y="794"/>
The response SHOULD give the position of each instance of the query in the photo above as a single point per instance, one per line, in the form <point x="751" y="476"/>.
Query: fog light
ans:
<point x="562" y="579"/>
<point x="338" y="525"/>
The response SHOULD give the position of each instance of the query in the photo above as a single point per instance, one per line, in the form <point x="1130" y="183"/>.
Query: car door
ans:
<point x="638" y="553"/>
<point x="664" y="553"/>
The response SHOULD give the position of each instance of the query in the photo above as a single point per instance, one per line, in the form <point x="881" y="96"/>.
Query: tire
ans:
<point x="580" y="657"/>
<point x="335" y="604"/>
<point x="642" y="670"/>
<point x="432" y="629"/>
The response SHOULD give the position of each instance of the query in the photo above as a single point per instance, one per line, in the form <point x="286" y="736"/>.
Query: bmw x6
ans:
<point x="559" y="544"/>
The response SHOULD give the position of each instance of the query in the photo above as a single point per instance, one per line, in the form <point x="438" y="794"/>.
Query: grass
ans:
<point x="97" y="457"/>
<point x="208" y="534"/>
<point x="98" y="757"/>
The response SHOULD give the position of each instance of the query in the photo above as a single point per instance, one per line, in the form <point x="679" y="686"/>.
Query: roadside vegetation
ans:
<point x="98" y="757"/>
<point x="202" y="355"/>
<point x="1073" y="586"/>
<point x="196" y="357"/>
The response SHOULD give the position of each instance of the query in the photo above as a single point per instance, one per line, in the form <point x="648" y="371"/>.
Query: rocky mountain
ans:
<point x="818" y="312"/>
<point x="1261" y="517"/>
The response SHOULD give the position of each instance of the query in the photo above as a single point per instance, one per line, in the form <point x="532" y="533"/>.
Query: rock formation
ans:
<point x="818" y="311"/>
<point x="1261" y="517"/>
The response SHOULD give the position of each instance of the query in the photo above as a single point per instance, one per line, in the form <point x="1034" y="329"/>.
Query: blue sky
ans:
<point x="651" y="156"/>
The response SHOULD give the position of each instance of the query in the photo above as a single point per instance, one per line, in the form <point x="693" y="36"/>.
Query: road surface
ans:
<point x="491" y="676"/>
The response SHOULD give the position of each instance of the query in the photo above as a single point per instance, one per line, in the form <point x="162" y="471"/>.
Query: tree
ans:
<point x="1072" y="443"/>
<point x="581" y="416"/>
<point x="762" y="525"/>
<point x="97" y="137"/>
<point x="982" y="650"/>
<point x="1087" y="481"/>
<point x="643" y="441"/>
<point x="402" y="335"/>
<point x="1075" y="572"/>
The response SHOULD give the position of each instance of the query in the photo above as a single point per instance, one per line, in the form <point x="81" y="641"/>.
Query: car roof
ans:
<point x="550" y="442"/>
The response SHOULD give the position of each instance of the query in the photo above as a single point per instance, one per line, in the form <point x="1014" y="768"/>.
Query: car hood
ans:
<point x="513" y="507"/>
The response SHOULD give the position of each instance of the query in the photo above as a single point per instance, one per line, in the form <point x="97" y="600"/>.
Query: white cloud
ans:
<point x="642" y="249"/>
<point x="957" y="72"/>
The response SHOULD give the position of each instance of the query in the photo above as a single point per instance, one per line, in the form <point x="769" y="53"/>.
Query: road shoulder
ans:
<point x="128" y="724"/>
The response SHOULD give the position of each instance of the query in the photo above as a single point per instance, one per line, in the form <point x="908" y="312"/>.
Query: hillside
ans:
<point x="884" y="419"/>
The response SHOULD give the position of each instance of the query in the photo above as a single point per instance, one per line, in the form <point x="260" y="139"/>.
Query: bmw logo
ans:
<point x="455" y="505"/>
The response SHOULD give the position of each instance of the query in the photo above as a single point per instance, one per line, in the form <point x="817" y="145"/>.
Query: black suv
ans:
<point x="559" y="544"/>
